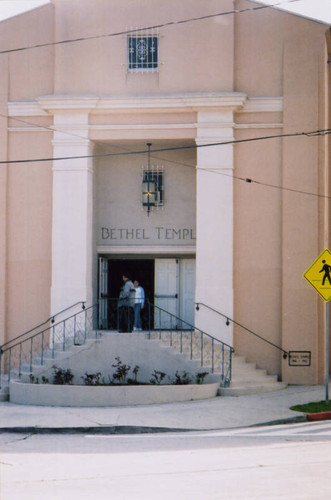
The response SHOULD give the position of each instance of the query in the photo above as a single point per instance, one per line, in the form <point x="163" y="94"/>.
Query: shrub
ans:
<point x="92" y="378"/>
<point x="157" y="377"/>
<point x="183" y="379"/>
<point x="62" y="377"/>
<point x="121" y="372"/>
<point x="200" y="377"/>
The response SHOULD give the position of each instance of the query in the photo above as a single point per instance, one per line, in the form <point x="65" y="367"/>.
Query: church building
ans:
<point x="185" y="143"/>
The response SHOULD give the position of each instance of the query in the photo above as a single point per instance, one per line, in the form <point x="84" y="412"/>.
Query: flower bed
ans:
<point x="111" y="395"/>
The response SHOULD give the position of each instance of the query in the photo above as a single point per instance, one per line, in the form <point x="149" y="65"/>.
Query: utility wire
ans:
<point x="214" y="171"/>
<point x="155" y="27"/>
<point x="313" y="133"/>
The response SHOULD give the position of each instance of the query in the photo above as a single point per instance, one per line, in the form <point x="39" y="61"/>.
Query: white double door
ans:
<point x="174" y="293"/>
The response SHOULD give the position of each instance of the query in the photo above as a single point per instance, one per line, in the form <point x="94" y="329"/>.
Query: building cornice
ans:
<point x="168" y="103"/>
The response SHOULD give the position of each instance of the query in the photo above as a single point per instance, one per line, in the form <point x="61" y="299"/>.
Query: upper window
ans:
<point x="143" y="53"/>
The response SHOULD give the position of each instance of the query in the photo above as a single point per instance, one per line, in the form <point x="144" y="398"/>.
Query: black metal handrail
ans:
<point x="74" y="327"/>
<point x="50" y="319"/>
<point x="190" y="329"/>
<point x="228" y="320"/>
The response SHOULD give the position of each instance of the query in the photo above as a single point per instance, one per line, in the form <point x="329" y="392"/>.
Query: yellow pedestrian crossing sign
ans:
<point x="319" y="275"/>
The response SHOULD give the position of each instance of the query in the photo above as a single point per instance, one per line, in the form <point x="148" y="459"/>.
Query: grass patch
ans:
<point x="313" y="407"/>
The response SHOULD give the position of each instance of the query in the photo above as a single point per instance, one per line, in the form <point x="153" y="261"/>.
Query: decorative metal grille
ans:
<point x="143" y="51"/>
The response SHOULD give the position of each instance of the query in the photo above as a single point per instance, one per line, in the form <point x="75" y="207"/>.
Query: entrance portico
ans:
<point x="86" y="223"/>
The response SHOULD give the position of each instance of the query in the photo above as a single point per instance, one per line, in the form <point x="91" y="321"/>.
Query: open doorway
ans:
<point x="169" y="283"/>
<point x="110" y="283"/>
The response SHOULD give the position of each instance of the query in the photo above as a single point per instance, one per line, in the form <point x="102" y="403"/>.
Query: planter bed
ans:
<point x="92" y="396"/>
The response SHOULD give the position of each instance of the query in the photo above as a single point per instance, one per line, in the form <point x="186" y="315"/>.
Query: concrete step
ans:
<point x="254" y="378"/>
<point x="254" y="389"/>
<point x="4" y="393"/>
<point x="247" y="379"/>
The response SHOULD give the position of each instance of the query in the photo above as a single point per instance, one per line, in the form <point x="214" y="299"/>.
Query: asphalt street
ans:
<point x="264" y="463"/>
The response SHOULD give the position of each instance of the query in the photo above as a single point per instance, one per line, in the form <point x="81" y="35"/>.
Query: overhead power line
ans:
<point x="213" y="171"/>
<point x="155" y="27"/>
<point x="313" y="133"/>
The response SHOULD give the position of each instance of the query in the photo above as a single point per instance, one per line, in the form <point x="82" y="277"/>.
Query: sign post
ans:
<point x="319" y="277"/>
<point x="326" y="351"/>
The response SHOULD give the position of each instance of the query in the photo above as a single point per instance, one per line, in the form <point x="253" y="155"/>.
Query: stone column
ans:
<point x="72" y="225"/>
<point x="214" y="254"/>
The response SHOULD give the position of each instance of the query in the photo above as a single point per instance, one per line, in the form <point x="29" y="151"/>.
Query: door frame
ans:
<point x="130" y="258"/>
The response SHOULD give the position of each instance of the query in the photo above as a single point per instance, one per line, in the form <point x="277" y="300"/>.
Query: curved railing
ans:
<point x="32" y="348"/>
<point x="228" y="320"/>
<point x="29" y="349"/>
<point x="210" y="352"/>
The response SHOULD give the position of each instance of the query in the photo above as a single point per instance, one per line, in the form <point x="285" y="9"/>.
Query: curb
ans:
<point x="322" y="415"/>
<point x="133" y="429"/>
<point x="116" y="429"/>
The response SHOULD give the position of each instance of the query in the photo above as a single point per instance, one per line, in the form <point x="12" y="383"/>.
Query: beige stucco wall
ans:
<point x="277" y="233"/>
<point x="99" y="66"/>
<point x="118" y="183"/>
<point x="25" y="215"/>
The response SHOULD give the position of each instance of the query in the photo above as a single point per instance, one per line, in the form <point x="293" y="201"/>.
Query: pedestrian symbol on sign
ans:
<point x="319" y="275"/>
<point x="326" y="268"/>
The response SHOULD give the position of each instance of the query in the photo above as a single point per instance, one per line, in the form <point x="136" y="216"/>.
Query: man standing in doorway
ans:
<point x="138" y="305"/>
<point x="126" y="304"/>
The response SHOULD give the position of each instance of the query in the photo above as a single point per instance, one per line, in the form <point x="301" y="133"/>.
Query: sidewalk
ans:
<point x="216" y="413"/>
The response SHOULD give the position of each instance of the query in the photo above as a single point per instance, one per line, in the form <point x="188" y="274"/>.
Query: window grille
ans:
<point x="143" y="51"/>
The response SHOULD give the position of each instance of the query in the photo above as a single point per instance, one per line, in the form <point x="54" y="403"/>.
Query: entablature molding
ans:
<point x="211" y="111"/>
<point x="236" y="101"/>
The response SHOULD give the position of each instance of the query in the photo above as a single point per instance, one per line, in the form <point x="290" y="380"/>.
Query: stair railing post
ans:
<point x="212" y="356"/>
<point x="31" y="347"/>
<point x="201" y="348"/>
<point x="0" y="367"/>
<point x="64" y="335"/>
<point x="222" y="368"/>
<point x="85" y="325"/>
<point x="42" y="349"/>
<point x="75" y="329"/>
<point x="149" y="319"/>
<point x="53" y="342"/>
<point x="20" y="362"/>
<point x="9" y="364"/>
<point x="171" y="331"/>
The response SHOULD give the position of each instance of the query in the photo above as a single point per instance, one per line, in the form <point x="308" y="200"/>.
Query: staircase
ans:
<point x="31" y="357"/>
<point x="247" y="379"/>
<point x="193" y="350"/>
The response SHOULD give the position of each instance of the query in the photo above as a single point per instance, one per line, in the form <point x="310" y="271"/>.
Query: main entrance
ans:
<point x="169" y="283"/>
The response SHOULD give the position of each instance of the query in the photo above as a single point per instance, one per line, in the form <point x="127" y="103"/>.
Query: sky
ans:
<point x="319" y="10"/>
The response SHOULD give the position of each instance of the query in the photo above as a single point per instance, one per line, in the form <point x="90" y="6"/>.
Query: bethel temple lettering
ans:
<point x="156" y="233"/>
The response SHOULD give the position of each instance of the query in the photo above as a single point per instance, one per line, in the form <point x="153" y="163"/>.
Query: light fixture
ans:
<point x="149" y="184"/>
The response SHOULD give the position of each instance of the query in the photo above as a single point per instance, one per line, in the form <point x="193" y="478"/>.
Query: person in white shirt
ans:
<point x="138" y="305"/>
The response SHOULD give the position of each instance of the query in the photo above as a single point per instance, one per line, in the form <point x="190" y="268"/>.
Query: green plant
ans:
<point x="200" y="377"/>
<point x="92" y="378"/>
<point x="134" y="381"/>
<point x="121" y="372"/>
<point x="135" y="372"/>
<point x="183" y="379"/>
<point x="157" y="377"/>
<point x="33" y="379"/>
<point x="61" y="376"/>
<point x="313" y="407"/>
<point x="44" y="380"/>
